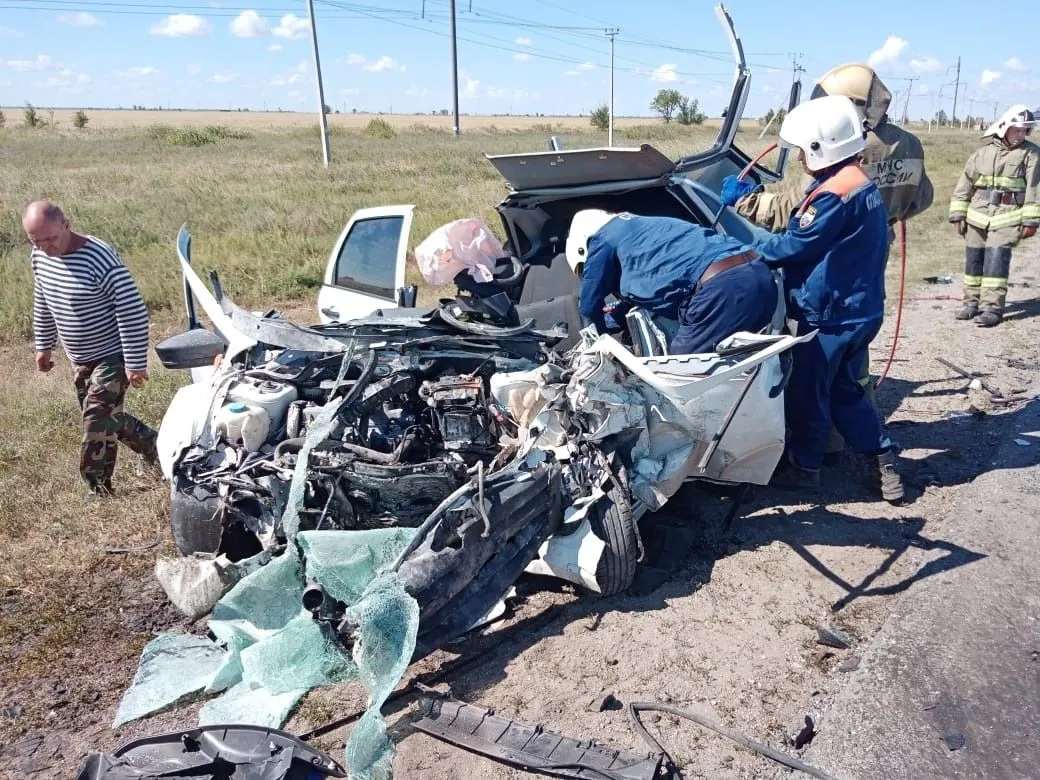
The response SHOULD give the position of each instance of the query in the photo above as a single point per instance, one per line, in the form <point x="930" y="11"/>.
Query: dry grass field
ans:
<point x="108" y="119"/>
<point x="263" y="212"/>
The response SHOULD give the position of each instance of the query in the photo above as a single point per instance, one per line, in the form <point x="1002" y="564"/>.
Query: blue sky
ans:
<point x="548" y="56"/>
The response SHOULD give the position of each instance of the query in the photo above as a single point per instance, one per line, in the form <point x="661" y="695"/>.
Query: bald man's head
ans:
<point x="46" y="227"/>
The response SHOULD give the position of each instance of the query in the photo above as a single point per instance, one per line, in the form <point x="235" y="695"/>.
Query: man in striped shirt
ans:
<point x="84" y="295"/>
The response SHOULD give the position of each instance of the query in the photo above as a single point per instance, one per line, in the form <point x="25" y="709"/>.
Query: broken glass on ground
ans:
<point x="268" y="651"/>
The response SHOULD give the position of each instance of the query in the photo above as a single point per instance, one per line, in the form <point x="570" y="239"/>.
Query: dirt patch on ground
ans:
<point x="733" y="628"/>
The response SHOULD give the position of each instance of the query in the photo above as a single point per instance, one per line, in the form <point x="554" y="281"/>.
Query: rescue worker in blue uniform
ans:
<point x="833" y="258"/>
<point x="711" y="283"/>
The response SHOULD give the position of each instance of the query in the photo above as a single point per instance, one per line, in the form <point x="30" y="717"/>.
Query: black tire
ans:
<point x="193" y="518"/>
<point x="612" y="522"/>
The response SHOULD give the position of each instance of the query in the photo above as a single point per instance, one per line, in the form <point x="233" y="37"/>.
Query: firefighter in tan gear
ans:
<point x="995" y="204"/>
<point x="894" y="157"/>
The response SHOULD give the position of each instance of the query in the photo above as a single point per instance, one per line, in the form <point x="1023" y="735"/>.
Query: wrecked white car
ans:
<point x="509" y="438"/>
<point x="505" y="452"/>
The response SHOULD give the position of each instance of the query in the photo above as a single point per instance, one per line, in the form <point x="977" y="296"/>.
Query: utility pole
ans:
<point x="454" y="67"/>
<point x="909" y="91"/>
<point x="326" y="155"/>
<point x="611" y="33"/>
<point x="796" y="66"/>
<point x="956" y="89"/>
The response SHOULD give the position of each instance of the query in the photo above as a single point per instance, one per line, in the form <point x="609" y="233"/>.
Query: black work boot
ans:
<point x="888" y="478"/>
<point x="989" y="318"/>
<point x="790" y="476"/>
<point x="969" y="311"/>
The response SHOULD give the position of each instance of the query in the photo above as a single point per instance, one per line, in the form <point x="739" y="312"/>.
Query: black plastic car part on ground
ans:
<point x="531" y="748"/>
<point x="225" y="752"/>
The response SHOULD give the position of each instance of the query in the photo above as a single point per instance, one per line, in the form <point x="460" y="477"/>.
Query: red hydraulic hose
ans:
<point x="757" y="160"/>
<point x="899" y="309"/>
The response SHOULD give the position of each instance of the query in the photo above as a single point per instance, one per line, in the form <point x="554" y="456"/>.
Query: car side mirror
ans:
<point x="406" y="296"/>
<point x="195" y="348"/>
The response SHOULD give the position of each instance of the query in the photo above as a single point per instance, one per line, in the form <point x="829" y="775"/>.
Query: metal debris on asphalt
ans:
<point x="833" y="638"/>
<point x="954" y="740"/>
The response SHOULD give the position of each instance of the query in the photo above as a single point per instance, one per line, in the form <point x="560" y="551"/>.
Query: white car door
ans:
<point x="366" y="269"/>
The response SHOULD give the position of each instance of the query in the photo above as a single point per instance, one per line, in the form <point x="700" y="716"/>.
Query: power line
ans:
<point x="508" y="47"/>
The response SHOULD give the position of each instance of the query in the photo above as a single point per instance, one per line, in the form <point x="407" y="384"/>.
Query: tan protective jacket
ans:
<point x="894" y="159"/>
<point x="999" y="187"/>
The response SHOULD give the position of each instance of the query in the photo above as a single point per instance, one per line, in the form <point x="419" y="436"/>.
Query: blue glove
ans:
<point x="733" y="189"/>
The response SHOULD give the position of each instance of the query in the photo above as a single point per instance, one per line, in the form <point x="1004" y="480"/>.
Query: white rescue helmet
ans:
<point x="583" y="226"/>
<point x="828" y="130"/>
<point x="1016" y="116"/>
<point x="859" y="83"/>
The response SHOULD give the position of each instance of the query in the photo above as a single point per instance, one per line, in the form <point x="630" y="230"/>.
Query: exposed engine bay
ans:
<point x="408" y="429"/>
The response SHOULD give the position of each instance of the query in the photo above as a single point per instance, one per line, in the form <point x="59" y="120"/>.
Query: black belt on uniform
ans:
<point x="725" y="264"/>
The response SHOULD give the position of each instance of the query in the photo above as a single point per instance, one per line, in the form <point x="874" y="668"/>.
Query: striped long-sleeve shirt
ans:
<point x="88" y="299"/>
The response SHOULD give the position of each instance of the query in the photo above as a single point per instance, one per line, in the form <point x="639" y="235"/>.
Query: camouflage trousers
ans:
<point x="100" y="387"/>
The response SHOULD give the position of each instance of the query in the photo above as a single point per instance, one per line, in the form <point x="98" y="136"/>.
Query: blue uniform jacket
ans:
<point x="833" y="251"/>
<point x="652" y="262"/>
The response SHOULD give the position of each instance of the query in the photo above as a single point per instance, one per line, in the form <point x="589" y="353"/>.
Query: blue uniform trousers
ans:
<point x="825" y="387"/>
<point x="740" y="298"/>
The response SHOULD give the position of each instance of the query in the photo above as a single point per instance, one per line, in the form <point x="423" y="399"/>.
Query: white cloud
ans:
<point x="9" y="32"/>
<point x="496" y="92"/>
<point x="275" y="47"/>
<point x="67" y="78"/>
<point x="80" y="19"/>
<point x="292" y="26"/>
<point x="349" y="91"/>
<point x="294" y="94"/>
<point x="665" y="73"/>
<point x="1016" y="65"/>
<point x="522" y="57"/>
<point x="142" y="72"/>
<point x="64" y="79"/>
<point x="989" y="76"/>
<point x="384" y="64"/>
<point x="294" y="78"/>
<point x="926" y="64"/>
<point x="182" y="26"/>
<point x="571" y="73"/>
<point x="587" y="66"/>
<point x="249" y="24"/>
<point x="42" y="62"/>
<point x="194" y="69"/>
<point x="889" y="51"/>
<point x="522" y="94"/>
<point x="295" y="75"/>
<point x="524" y="42"/>
<point x="224" y="77"/>
<point x="471" y="88"/>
